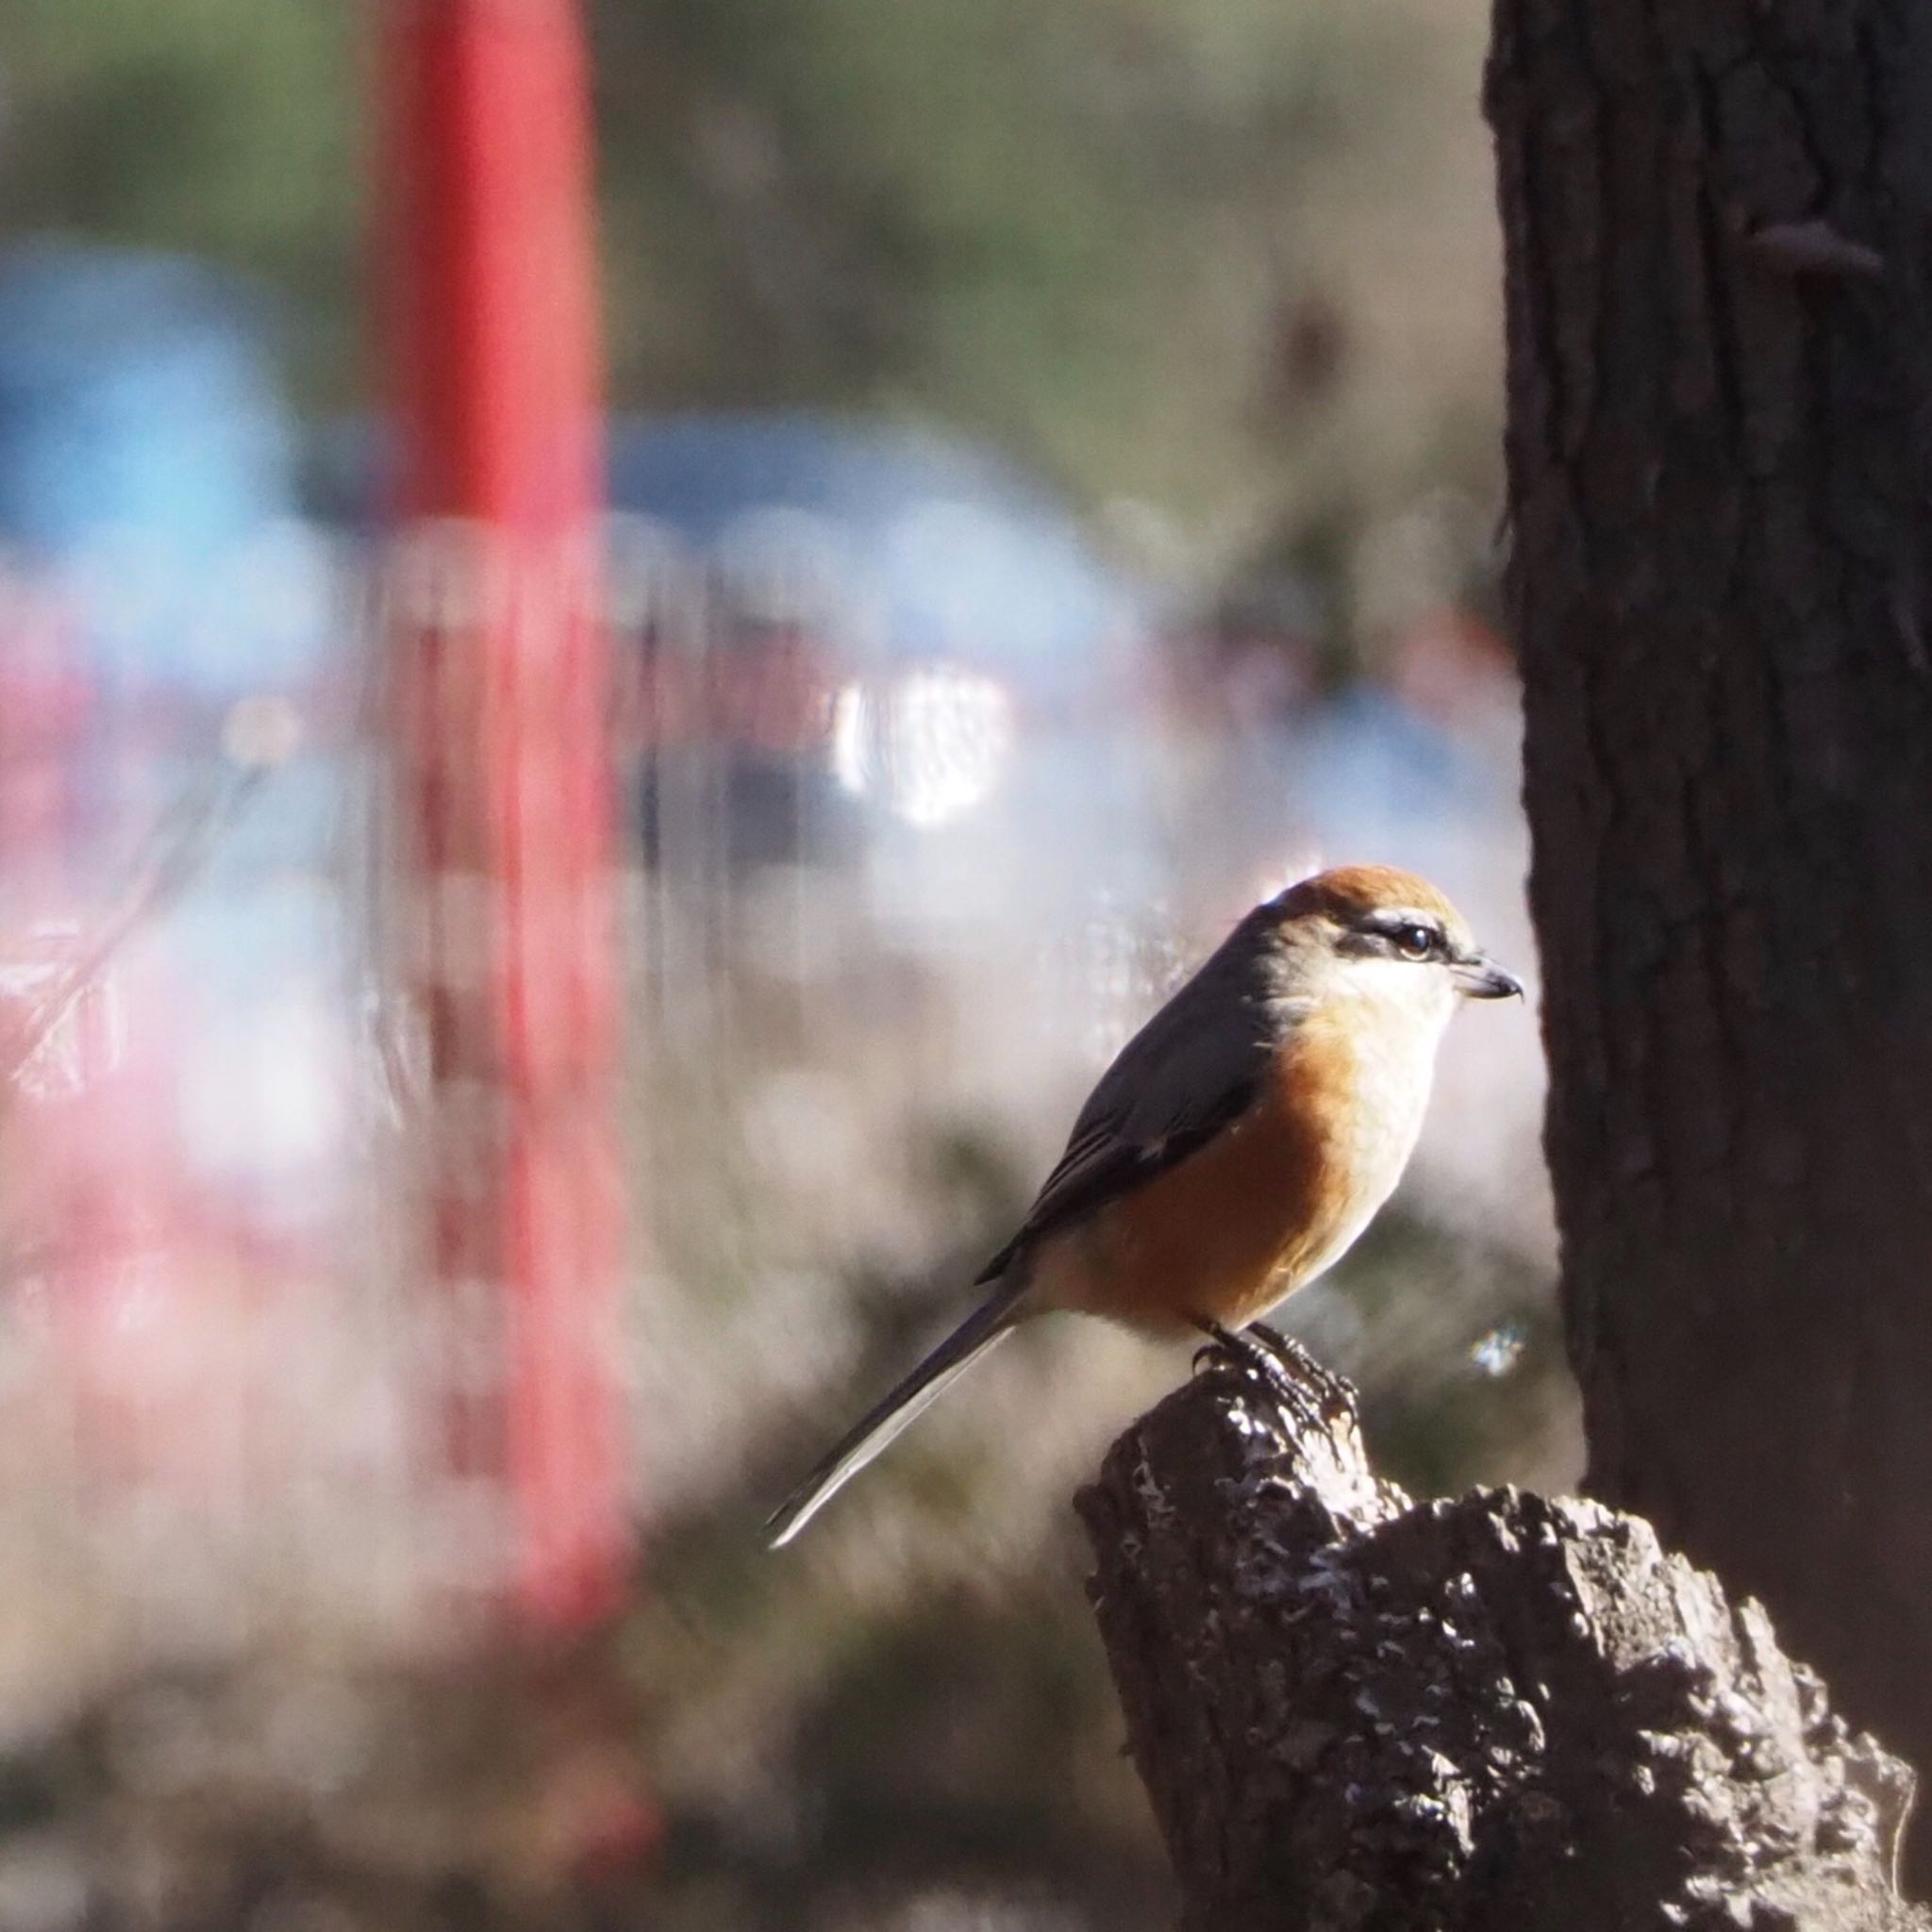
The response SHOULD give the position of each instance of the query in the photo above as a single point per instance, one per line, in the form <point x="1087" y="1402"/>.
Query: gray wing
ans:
<point x="1188" y="1072"/>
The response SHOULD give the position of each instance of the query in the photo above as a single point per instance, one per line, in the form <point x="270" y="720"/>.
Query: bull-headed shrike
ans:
<point x="1237" y="1146"/>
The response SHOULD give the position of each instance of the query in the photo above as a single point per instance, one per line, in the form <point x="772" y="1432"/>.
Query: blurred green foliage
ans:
<point x="1132" y="239"/>
<point x="223" y="128"/>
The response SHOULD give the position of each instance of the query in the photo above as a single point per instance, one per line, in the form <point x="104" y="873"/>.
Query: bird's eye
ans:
<point x="1415" y="942"/>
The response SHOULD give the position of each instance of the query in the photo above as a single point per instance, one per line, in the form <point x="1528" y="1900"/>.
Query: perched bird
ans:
<point x="1238" y="1144"/>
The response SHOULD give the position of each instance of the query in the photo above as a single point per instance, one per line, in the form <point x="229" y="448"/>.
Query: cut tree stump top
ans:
<point x="1353" y="1709"/>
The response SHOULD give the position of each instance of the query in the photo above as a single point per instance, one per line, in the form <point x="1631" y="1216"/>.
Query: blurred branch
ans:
<point x="1351" y="1709"/>
<point x="170" y="857"/>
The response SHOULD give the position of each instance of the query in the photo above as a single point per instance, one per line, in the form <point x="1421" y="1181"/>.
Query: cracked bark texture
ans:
<point x="1355" y="1711"/>
<point x="1720" y="351"/>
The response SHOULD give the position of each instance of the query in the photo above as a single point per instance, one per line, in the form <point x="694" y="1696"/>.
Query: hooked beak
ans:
<point x="1479" y="977"/>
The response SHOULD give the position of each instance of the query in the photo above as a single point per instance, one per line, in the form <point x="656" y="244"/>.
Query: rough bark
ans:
<point x="1720" y="336"/>
<point x="1355" y="1711"/>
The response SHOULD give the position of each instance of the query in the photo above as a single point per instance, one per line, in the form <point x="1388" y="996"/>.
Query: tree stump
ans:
<point x="1353" y="1709"/>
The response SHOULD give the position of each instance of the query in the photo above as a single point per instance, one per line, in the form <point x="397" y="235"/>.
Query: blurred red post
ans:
<point x="490" y="320"/>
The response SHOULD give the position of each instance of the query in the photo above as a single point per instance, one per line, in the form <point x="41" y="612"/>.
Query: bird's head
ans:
<point x="1374" y="934"/>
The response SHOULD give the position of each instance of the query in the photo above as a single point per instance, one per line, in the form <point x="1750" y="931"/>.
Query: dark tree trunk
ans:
<point x="1354" y="1713"/>
<point x="1719" y="331"/>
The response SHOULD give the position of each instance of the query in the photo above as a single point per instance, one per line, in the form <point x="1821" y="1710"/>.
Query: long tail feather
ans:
<point x="991" y="1322"/>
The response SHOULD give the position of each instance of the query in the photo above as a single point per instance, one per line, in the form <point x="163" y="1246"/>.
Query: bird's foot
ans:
<point x="1246" y="1349"/>
<point x="1287" y="1351"/>
<point x="1283" y="1363"/>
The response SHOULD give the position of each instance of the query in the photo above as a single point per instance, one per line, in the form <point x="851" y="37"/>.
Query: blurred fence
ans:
<point x="918" y="816"/>
<point x="851" y="809"/>
<point x="929" y="781"/>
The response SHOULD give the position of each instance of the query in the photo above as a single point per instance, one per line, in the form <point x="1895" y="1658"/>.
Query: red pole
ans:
<point x="491" y="328"/>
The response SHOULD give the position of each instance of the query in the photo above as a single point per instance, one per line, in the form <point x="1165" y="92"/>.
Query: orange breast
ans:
<point x="1225" y="1233"/>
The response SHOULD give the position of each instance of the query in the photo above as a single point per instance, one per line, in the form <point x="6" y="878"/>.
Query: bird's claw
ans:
<point x="1264" y="1351"/>
<point x="1246" y="1349"/>
<point x="1317" y="1396"/>
<point x="1282" y="1347"/>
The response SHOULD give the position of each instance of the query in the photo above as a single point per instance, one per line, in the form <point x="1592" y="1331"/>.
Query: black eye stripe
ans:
<point x="1413" y="937"/>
